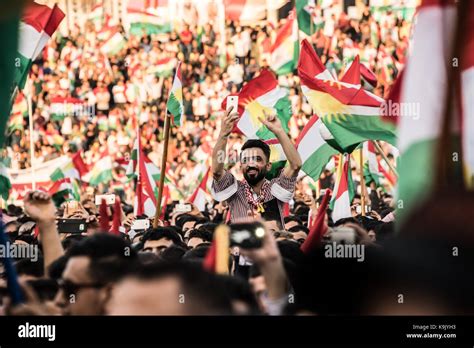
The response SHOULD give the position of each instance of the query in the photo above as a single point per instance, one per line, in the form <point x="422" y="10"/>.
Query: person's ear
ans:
<point x="269" y="166"/>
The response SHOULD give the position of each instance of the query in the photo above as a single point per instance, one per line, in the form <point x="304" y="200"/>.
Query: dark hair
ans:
<point x="203" y="291"/>
<point x="384" y="231"/>
<point x="27" y="238"/>
<point x="346" y="220"/>
<point x="163" y="232"/>
<point x="173" y="253"/>
<point x="251" y="143"/>
<point x="44" y="288"/>
<point x="29" y="267"/>
<point x="56" y="268"/>
<point x="71" y="240"/>
<point x="293" y="218"/>
<point x="182" y="219"/>
<point x="237" y="289"/>
<point x="299" y="228"/>
<point x="111" y="256"/>
<point x="204" y="235"/>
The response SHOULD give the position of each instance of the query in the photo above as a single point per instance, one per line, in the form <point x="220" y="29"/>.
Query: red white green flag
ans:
<point x="284" y="51"/>
<point x="343" y="190"/>
<point x="175" y="99"/>
<point x="200" y="196"/>
<point x="74" y="168"/>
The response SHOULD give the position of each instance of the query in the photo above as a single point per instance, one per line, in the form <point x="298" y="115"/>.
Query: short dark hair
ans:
<point x="163" y="232"/>
<point x="299" y="228"/>
<point x="204" y="235"/>
<point x="293" y="218"/>
<point x="251" y="143"/>
<point x="182" y="219"/>
<point x="111" y="256"/>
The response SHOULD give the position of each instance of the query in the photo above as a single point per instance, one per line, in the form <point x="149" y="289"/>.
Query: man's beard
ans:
<point x="255" y="179"/>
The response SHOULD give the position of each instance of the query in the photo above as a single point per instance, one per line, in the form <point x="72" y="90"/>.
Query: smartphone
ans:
<point x="72" y="225"/>
<point x="247" y="235"/>
<point x="232" y="101"/>
<point x="109" y="199"/>
<point x="183" y="208"/>
<point x="140" y="224"/>
<point x="343" y="235"/>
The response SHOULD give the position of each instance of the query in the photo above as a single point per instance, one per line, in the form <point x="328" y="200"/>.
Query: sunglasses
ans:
<point x="70" y="288"/>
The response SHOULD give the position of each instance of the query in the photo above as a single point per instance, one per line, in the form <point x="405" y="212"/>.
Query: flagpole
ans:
<point x="362" y="181"/>
<point x="163" y="170"/>
<point x="380" y="151"/>
<point x="32" y="148"/>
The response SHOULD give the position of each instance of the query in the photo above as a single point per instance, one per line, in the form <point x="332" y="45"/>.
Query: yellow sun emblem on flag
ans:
<point x="255" y="110"/>
<point x="327" y="106"/>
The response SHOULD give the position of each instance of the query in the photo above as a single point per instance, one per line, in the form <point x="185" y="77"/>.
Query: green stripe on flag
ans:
<point x="174" y="108"/>
<point x="283" y="110"/>
<point x="138" y="28"/>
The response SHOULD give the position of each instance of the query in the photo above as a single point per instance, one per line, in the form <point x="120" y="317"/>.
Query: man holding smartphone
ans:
<point x="255" y="195"/>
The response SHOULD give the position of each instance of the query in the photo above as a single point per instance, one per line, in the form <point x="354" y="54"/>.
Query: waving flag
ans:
<point x="144" y="18"/>
<point x="114" y="43"/>
<point x="200" y="195"/>
<point x="5" y="182"/>
<point x="351" y="114"/>
<point x="258" y="95"/>
<point x="38" y="24"/>
<point x="284" y="51"/>
<point x="64" y="190"/>
<point x="18" y="114"/>
<point x="418" y="134"/>
<point x="75" y="168"/>
<point x="305" y="15"/>
<point x="315" y="152"/>
<point x="101" y="173"/>
<point x="343" y="190"/>
<point x="175" y="99"/>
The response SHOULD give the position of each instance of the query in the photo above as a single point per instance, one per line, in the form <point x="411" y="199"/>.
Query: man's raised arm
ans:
<point x="219" y="152"/>
<point x="294" y="160"/>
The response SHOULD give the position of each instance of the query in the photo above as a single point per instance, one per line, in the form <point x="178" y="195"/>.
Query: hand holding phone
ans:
<point x="232" y="102"/>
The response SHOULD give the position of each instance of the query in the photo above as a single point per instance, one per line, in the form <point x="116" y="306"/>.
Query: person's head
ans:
<point x="197" y="237"/>
<point x="158" y="239"/>
<point x="186" y="222"/>
<point x="255" y="160"/>
<point x="169" y="289"/>
<point x="291" y="221"/>
<point x="92" y="267"/>
<point x="300" y="233"/>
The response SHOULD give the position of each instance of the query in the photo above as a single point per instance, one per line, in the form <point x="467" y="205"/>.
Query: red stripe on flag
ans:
<point x="306" y="128"/>
<point x="352" y="75"/>
<point x="319" y="228"/>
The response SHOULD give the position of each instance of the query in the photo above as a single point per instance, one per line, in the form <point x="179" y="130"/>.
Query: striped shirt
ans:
<point x="227" y="188"/>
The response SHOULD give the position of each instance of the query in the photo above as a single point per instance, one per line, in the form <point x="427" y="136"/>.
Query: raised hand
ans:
<point x="228" y="122"/>
<point x="40" y="207"/>
<point x="272" y="122"/>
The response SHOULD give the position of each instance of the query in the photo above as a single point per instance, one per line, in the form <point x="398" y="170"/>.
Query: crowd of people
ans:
<point x="160" y="270"/>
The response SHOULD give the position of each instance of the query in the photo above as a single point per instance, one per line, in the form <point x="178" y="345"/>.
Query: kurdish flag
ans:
<point x="261" y="94"/>
<point x="19" y="112"/>
<point x="285" y="49"/>
<point x="64" y="190"/>
<point x="5" y="182"/>
<point x="343" y="190"/>
<point x="351" y="114"/>
<point x="163" y="67"/>
<point x="75" y="168"/>
<point x="61" y="107"/>
<point x="144" y="18"/>
<point x="277" y="158"/>
<point x="38" y="24"/>
<point x="315" y="152"/>
<point x="371" y="170"/>
<point x="101" y="172"/>
<point x="175" y="99"/>
<point x="114" y="43"/>
<point x="304" y="11"/>
<point x="200" y="196"/>
<point x="418" y="133"/>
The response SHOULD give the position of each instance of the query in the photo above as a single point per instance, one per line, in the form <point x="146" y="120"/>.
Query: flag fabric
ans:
<point x="117" y="218"/>
<point x="101" y="172"/>
<point x="18" y="113"/>
<point x="343" y="190"/>
<point x="175" y="99"/>
<point x="74" y="168"/>
<point x="319" y="228"/>
<point x="277" y="158"/>
<point x="114" y="43"/>
<point x="418" y="134"/>
<point x="163" y="67"/>
<point x="64" y="190"/>
<point x="285" y="49"/>
<point x="314" y="151"/>
<point x="245" y="11"/>
<point x="97" y="14"/>
<point x="38" y="24"/>
<point x="371" y="169"/>
<point x="261" y="94"/>
<point x="467" y="96"/>
<point x="200" y="196"/>
<point x="104" y="219"/>
<point x="304" y="12"/>
<point x="351" y="114"/>
<point x="9" y="30"/>
<point x="5" y="182"/>
<point x="147" y="19"/>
